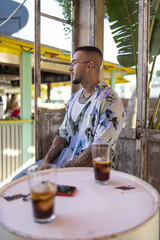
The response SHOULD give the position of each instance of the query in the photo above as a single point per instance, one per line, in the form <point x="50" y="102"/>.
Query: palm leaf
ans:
<point x="123" y="17"/>
<point x="157" y="123"/>
<point x="153" y="116"/>
<point x="155" y="27"/>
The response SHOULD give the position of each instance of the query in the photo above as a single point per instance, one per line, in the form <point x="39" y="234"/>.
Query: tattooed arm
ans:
<point x="83" y="160"/>
<point x="57" y="146"/>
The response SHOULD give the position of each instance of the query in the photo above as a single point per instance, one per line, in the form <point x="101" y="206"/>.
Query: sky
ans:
<point x="53" y="34"/>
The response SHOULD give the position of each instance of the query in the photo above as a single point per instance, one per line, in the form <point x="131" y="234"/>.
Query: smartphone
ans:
<point x="64" y="190"/>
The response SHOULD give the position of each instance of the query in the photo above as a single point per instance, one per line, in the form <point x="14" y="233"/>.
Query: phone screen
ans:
<point x="64" y="190"/>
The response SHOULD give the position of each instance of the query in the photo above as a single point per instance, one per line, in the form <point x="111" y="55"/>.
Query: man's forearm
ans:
<point x="57" y="146"/>
<point x="83" y="160"/>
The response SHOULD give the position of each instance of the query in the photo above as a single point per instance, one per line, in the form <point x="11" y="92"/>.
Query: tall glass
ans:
<point x="43" y="190"/>
<point x="101" y="157"/>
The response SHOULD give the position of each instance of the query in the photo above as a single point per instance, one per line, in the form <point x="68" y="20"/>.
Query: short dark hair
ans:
<point x="89" y="49"/>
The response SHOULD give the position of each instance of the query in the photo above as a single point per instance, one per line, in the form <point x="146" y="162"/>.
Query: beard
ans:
<point x="77" y="77"/>
<point x="76" y="81"/>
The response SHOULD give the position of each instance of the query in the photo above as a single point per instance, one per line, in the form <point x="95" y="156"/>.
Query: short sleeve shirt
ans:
<point x="101" y="120"/>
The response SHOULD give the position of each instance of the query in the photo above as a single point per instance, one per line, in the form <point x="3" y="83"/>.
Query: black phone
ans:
<point x="64" y="190"/>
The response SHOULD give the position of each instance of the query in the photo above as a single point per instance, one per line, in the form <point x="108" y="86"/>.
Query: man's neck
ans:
<point x="90" y="87"/>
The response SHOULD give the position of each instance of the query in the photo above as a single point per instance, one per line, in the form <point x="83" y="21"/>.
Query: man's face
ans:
<point x="78" y="67"/>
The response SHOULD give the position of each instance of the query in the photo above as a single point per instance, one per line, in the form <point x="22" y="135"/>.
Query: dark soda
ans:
<point x="43" y="200"/>
<point x="102" y="169"/>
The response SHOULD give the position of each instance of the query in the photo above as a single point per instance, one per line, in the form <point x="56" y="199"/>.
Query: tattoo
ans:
<point x="57" y="146"/>
<point x="83" y="160"/>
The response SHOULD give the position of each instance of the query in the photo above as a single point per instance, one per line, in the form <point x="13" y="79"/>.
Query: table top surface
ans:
<point x="95" y="211"/>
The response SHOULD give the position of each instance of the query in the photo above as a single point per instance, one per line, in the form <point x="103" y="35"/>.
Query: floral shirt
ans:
<point x="101" y="120"/>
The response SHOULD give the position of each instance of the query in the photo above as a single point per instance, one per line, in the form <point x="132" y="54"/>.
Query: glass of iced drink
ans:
<point x="43" y="190"/>
<point x="101" y="157"/>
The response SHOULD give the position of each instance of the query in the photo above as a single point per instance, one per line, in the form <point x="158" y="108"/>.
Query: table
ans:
<point x="127" y="208"/>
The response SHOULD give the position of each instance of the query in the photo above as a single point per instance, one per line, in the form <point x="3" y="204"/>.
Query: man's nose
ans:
<point x="70" y="68"/>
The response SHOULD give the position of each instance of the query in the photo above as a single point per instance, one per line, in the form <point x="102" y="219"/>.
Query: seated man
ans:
<point x="93" y="114"/>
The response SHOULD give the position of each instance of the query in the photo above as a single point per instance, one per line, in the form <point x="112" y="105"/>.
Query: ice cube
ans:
<point x="43" y="188"/>
<point x="44" y="205"/>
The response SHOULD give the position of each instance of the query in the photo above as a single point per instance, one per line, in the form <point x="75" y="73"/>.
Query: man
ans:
<point x="93" y="114"/>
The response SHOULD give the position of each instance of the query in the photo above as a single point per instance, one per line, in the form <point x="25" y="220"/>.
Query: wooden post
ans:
<point x="113" y="79"/>
<point x="48" y="92"/>
<point x="88" y="26"/>
<point x="143" y="65"/>
<point x="75" y="38"/>
<point x="37" y="75"/>
<point x="26" y="83"/>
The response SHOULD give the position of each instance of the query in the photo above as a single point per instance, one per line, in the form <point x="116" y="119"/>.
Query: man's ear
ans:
<point x="91" y="65"/>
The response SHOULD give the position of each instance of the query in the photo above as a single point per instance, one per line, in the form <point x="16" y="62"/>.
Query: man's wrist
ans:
<point x="46" y="161"/>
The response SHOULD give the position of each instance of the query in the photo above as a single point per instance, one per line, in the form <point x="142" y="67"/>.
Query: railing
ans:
<point x="11" y="148"/>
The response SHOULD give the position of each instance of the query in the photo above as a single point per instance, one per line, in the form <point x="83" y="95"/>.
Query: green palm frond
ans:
<point x="157" y="123"/>
<point x="153" y="117"/>
<point x="123" y="17"/>
<point x="154" y="27"/>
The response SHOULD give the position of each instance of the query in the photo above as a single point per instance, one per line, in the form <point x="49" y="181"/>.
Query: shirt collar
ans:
<point x="101" y="85"/>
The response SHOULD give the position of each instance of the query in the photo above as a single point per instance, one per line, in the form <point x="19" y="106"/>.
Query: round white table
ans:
<point x="127" y="208"/>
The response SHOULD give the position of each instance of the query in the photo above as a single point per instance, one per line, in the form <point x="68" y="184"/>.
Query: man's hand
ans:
<point x="83" y="160"/>
<point x="42" y="165"/>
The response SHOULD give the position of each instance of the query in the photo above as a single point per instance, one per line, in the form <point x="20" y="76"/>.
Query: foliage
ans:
<point x="153" y="122"/>
<point x="158" y="73"/>
<point x="67" y="7"/>
<point x="123" y="17"/>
